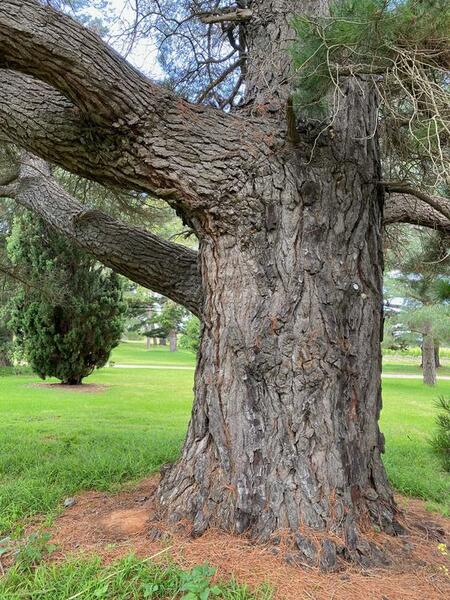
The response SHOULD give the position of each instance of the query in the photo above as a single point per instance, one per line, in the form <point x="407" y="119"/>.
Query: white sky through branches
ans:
<point x="143" y="54"/>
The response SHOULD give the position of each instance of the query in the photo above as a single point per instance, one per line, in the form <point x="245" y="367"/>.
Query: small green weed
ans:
<point x="196" y="583"/>
<point x="33" y="551"/>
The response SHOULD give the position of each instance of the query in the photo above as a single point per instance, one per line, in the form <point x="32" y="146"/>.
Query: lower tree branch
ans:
<point x="438" y="203"/>
<point x="164" y="267"/>
<point x="405" y="208"/>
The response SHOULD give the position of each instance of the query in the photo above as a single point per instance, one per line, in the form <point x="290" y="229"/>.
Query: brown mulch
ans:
<point x="114" y="525"/>
<point x="83" y="387"/>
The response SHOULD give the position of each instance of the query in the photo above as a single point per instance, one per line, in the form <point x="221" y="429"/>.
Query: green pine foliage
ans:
<point x="365" y="36"/>
<point x="70" y="316"/>
<point x="441" y="440"/>
<point x="400" y="47"/>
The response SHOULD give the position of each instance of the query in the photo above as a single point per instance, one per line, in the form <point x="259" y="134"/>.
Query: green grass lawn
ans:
<point x="135" y="353"/>
<point x="410" y="369"/>
<point x="56" y="442"/>
<point x="407" y="421"/>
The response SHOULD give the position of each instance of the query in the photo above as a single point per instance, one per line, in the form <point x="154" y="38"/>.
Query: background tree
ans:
<point x="190" y="338"/>
<point x="9" y="280"/>
<point x="154" y="316"/>
<point x="422" y="282"/>
<point x="289" y="214"/>
<point x="168" y="321"/>
<point x="5" y="283"/>
<point x="70" y="332"/>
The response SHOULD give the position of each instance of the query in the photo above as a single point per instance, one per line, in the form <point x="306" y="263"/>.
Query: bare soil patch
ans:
<point x="114" y="525"/>
<point x="82" y="388"/>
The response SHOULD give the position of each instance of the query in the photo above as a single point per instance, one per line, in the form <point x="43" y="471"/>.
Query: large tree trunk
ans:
<point x="428" y="358"/>
<point x="173" y="340"/>
<point x="284" y="429"/>
<point x="437" y="360"/>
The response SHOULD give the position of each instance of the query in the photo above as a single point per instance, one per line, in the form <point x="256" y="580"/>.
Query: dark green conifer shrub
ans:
<point x="70" y="316"/>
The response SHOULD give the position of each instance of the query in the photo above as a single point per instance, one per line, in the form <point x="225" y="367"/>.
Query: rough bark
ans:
<point x="428" y="360"/>
<point x="268" y="72"/>
<point x="439" y="204"/>
<point x="284" y="429"/>
<point x="404" y="208"/>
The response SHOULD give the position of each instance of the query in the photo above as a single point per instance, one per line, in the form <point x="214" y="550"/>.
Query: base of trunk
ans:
<point x="192" y="490"/>
<point x="341" y="541"/>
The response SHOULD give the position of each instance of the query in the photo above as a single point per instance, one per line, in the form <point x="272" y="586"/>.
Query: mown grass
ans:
<point x="55" y="442"/>
<point x="415" y="352"/>
<point x="135" y="353"/>
<point x="411" y="369"/>
<point x="408" y="422"/>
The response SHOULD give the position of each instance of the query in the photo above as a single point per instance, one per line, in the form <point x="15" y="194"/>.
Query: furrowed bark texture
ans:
<point x="269" y="37"/>
<point x="284" y="429"/>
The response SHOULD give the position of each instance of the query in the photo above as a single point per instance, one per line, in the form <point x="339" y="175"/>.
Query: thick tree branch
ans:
<point x="54" y="48"/>
<point x="230" y="15"/>
<point x="37" y="117"/>
<point x="404" y="208"/>
<point x="129" y="131"/>
<point x="438" y="203"/>
<point x="164" y="267"/>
